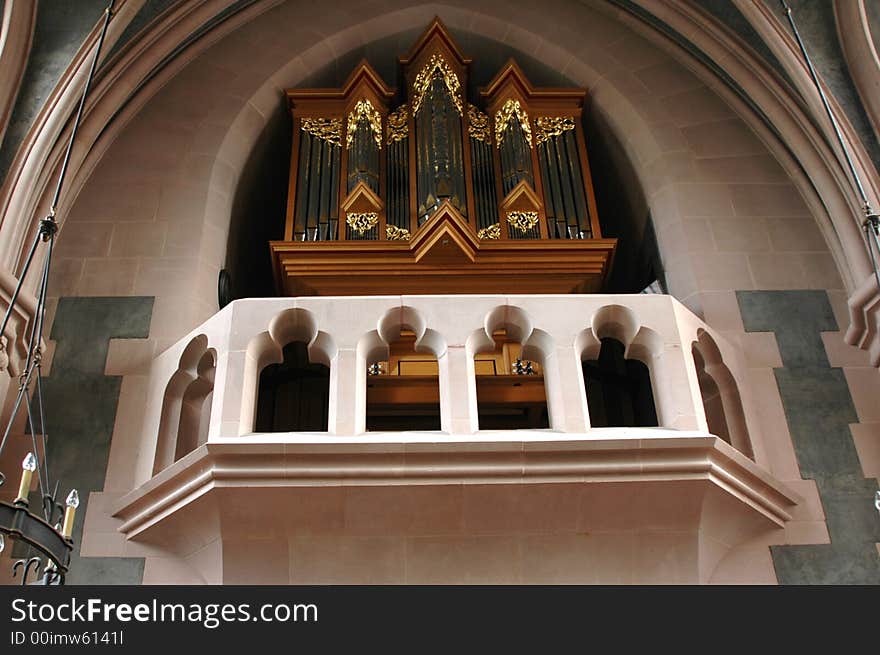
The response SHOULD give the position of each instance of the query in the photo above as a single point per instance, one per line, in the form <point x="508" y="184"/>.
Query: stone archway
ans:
<point x="242" y="63"/>
<point x="202" y="126"/>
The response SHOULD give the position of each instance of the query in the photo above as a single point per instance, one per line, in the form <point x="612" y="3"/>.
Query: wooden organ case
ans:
<point x="436" y="195"/>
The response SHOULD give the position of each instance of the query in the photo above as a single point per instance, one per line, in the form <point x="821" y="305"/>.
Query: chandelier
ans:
<point x="45" y="527"/>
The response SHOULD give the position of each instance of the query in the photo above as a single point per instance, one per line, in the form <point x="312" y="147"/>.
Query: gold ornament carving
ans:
<point x="436" y="66"/>
<point x="360" y="222"/>
<point x="394" y="233"/>
<point x="478" y="125"/>
<point x="364" y="110"/>
<point x="522" y="221"/>
<point x="328" y="129"/>
<point x="503" y="116"/>
<point x="547" y="127"/>
<point x="397" y="127"/>
<point x="491" y="233"/>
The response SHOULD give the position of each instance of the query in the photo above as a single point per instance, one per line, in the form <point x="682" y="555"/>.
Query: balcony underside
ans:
<point x="415" y="486"/>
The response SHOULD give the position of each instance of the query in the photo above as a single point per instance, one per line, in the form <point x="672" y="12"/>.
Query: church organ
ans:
<point x="429" y="191"/>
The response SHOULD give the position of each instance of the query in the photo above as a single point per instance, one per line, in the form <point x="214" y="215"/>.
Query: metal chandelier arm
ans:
<point x="45" y="534"/>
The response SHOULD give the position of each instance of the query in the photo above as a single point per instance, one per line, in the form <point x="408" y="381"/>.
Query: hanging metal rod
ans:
<point x="852" y="169"/>
<point x="47" y="231"/>
<point x="108" y="13"/>
<point x="43" y="232"/>
<point x="871" y="224"/>
<point x="54" y="541"/>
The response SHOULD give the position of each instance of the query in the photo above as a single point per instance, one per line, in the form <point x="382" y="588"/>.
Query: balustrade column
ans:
<point x="675" y="393"/>
<point x="153" y="403"/>
<point x="573" y="393"/>
<point x="234" y="403"/>
<point x="348" y="394"/>
<point x="458" y="392"/>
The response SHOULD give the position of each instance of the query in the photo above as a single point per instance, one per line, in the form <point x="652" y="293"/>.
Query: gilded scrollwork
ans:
<point x="364" y="110"/>
<point x="436" y="66"/>
<point x="547" y="127"/>
<point x="360" y="222"/>
<point x="394" y="233"/>
<point x="397" y="125"/>
<point x="478" y="125"/>
<point x="503" y="116"/>
<point x="328" y="129"/>
<point x="491" y="233"/>
<point x="522" y="221"/>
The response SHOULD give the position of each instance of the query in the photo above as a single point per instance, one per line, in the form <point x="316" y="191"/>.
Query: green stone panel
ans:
<point x="80" y="404"/>
<point x="819" y="409"/>
<point x="797" y="318"/>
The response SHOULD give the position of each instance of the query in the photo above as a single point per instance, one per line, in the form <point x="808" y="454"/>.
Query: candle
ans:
<point x="70" y="513"/>
<point x="28" y="466"/>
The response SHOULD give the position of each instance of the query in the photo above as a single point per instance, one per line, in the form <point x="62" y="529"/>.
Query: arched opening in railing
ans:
<point x="721" y="399"/>
<point x="186" y="405"/>
<point x="403" y="391"/>
<point x="401" y="363"/>
<point x="711" y="395"/>
<point x="619" y="392"/>
<point x="294" y="394"/>
<point x="510" y="387"/>
<point x="511" y="363"/>
<point x="287" y="376"/>
<point x="621" y="361"/>
<point x="195" y="412"/>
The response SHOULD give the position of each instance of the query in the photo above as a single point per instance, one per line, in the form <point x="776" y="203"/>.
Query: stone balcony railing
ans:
<point x="207" y="386"/>
<point x="346" y="333"/>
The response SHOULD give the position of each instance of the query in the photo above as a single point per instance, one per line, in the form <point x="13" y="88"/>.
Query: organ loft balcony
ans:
<point x="571" y="419"/>
<point x="441" y="387"/>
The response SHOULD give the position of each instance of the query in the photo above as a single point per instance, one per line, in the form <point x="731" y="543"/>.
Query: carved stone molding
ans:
<point x="399" y="461"/>
<point x="857" y="43"/>
<point x="19" y="17"/>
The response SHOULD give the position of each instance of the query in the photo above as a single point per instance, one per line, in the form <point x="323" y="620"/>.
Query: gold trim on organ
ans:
<point x="328" y="129"/>
<point x="547" y="127"/>
<point x="364" y="110"/>
<point x="394" y="233"/>
<point x="397" y="126"/>
<point x="436" y="66"/>
<point x="522" y="221"/>
<point x="478" y="125"/>
<point x="503" y="117"/>
<point x="491" y="233"/>
<point x="360" y="222"/>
